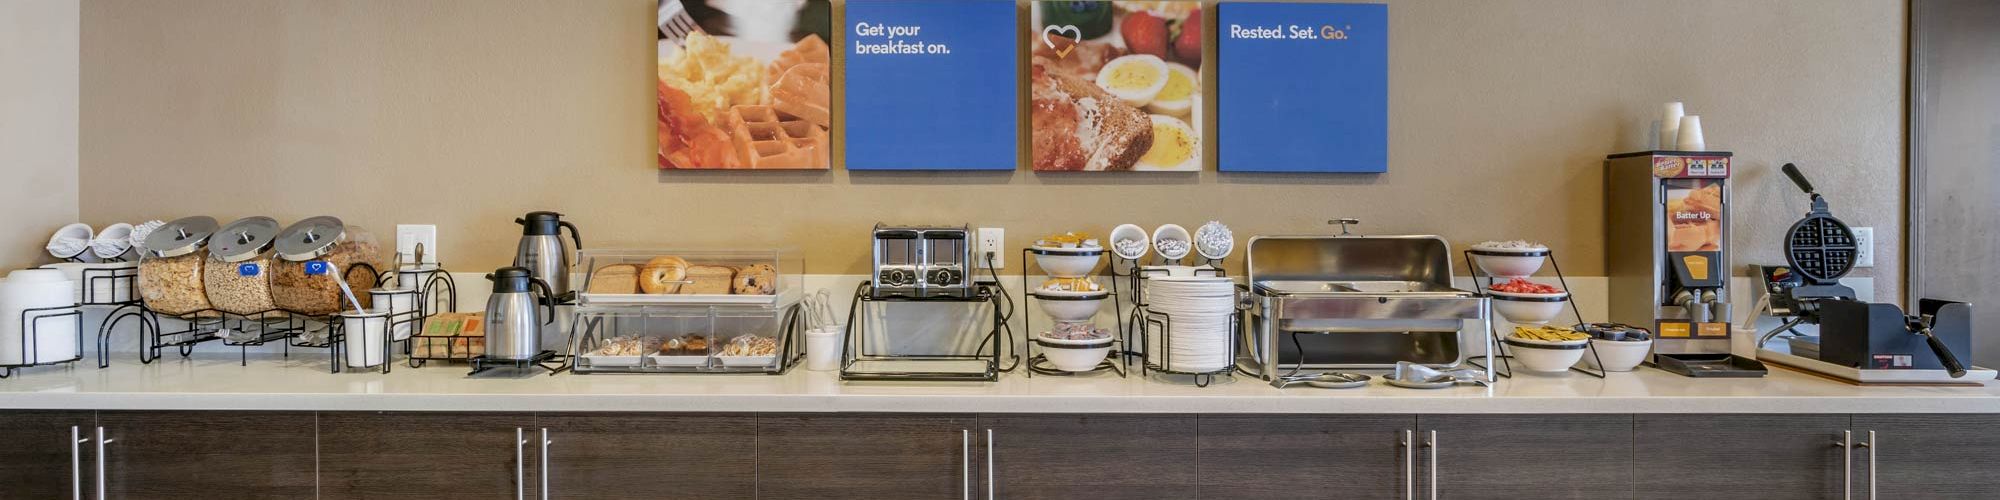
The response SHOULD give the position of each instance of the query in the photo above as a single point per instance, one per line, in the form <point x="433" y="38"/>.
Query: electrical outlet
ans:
<point x="409" y="235"/>
<point x="990" y="241"/>
<point x="1864" y="241"/>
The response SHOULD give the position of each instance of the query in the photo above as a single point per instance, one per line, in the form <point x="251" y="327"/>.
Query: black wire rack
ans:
<point x="1494" y="341"/>
<point x="1144" y="321"/>
<point x="987" y="354"/>
<point x="1116" y="362"/>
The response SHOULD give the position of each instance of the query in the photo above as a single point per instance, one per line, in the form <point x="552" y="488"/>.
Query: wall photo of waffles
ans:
<point x="743" y="84"/>
<point x="1116" y="85"/>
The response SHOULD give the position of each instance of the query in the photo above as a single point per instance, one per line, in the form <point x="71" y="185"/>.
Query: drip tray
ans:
<point x="1710" y="365"/>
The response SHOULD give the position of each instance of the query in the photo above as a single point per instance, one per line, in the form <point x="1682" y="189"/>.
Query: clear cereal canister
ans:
<point x="312" y="255"/>
<point x="170" y="266"/>
<point x="238" y="272"/>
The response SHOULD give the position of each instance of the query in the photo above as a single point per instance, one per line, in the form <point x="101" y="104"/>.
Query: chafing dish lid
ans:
<point x="1403" y="258"/>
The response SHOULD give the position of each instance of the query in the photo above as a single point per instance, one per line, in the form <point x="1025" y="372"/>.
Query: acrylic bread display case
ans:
<point x="687" y="338"/>
<point x="693" y="277"/>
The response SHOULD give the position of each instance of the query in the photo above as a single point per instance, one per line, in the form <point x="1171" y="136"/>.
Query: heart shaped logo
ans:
<point x="1075" y="36"/>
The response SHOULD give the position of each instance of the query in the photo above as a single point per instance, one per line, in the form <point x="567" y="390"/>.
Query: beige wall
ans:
<point x="38" y="125"/>
<point x="466" y="113"/>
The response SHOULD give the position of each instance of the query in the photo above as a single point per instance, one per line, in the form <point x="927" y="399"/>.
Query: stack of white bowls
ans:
<point x="50" y="339"/>
<point x="1197" y="340"/>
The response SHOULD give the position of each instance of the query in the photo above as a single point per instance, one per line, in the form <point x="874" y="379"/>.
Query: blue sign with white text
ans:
<point x="1302" y="87"/>
<point x="931" y="85"/>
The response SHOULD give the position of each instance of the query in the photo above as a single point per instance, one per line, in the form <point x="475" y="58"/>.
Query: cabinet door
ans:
<point x="828" y="457"/>
<point x="41" y="460"/>
<point x="1526" y="456"/>
<point x="1303" y="456"/>
<point x="208" y="454"/>
<point x="611" y="456"/>
<point x="1105" y="457"/>
<point x="1767" y="457"/>
<point x="424" y="455"/>
<point x="1929" y="456"/>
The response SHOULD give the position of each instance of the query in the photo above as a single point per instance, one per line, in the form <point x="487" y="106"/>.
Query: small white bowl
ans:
<point x="1544" y="356"/>
<point x="1130" y="232"/>
<point x="1618" y="356"/>
<point x="1075" y="355"/>
<point x="1509" y="266"/>
<point x="1071" y="308"/>
<point x="1069" y="293"/>
<point x="1172" y="232"/>
<point x="1066" y="262"/>
<point x="1221" y="253"/>
<point x="1528" y="308"/>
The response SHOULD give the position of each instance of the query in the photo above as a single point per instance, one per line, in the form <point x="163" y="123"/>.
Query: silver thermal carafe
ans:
<point x="515" y="314"/>
<point x="543" y="254"/>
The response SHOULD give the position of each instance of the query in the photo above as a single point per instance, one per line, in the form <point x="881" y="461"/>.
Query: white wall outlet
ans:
<point x="1864" y="241"/>
<point x="409" y="235"/>
<point x="991" y="239"/>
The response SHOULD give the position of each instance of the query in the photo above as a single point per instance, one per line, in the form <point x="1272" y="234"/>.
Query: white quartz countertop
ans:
<point x="215" y="382"/>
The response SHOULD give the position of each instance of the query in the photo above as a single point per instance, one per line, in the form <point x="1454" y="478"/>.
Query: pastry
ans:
<point x="683" y="346"/>
<point x="615" y="278"/>
<point x="760" y="279"/>
<point x="663" y="275"/>
<point x="708" y="280"/>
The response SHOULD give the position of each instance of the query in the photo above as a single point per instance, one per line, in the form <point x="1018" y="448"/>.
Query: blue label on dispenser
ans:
<point x="247" y="269"/>
<point x="318" y="267"/>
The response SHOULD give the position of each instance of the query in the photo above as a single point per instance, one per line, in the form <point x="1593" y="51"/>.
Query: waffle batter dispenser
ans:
<point x="1667" y="254"/>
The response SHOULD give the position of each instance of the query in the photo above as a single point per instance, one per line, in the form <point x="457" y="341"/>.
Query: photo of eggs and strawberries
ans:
<point x="743" y="84"/>
<point x="1115" y="85"/>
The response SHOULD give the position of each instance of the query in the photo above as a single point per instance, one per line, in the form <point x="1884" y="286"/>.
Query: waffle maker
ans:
<point x="1859" y="341"/>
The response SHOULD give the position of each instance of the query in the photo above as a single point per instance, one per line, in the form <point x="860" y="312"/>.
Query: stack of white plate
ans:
<point x="1200" y="308"/>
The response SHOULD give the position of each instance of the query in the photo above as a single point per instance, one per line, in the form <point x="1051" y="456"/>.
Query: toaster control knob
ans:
<point x="894" y="277"/>
<point x="944" y="277"/>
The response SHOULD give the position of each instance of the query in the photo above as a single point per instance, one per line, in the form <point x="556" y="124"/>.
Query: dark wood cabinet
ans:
<point x="1303" y="456"/>
<point x="210" y="455"/>
<point x="624" y="455"/>
<point x="41" y="458"/>
<point x="1768" y="457"/>
<point x="1580" y="456"/>
<point x="829" y="457"/>
<point x="1097" y="456"/>
<point x="1929" y="456"/>
<point x="427" y="455"/>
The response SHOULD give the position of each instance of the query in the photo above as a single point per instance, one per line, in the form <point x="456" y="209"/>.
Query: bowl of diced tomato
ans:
<point x="1521" y="301"/>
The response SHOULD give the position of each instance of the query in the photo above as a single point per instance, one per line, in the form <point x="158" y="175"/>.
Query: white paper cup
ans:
<point x="1690" y="135"/>
<point x="823" y="349"/>
<point x="362" y="338"/>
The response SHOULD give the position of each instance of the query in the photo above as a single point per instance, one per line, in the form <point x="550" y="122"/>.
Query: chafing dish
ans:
<point x="1354" y="301"/>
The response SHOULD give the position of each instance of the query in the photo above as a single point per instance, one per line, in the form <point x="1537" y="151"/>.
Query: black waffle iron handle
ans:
<point x="1944" y="355"/>
<point x="1799" y="178"/>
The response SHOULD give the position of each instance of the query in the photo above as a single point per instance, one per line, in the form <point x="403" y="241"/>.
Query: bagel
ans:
<point x="663" y="275"/>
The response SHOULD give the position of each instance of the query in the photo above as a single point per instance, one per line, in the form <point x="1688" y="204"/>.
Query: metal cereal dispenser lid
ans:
<point x="243" y="239"/>
<point x="311" y="238"/>
<point x="181" y="237"/>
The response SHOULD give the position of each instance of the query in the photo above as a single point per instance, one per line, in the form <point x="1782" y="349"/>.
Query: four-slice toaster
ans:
<point x="923" y="261"/>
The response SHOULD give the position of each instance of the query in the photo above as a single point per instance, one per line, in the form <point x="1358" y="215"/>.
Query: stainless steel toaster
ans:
<point x="923" y="261"/>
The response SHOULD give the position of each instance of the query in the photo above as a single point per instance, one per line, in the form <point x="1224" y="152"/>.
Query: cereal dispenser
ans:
<point x="1667" y="255"/>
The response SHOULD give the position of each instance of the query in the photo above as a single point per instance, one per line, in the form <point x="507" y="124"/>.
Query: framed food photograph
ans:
<point x="1115" y="85"/>
<point x="744" y="84"/>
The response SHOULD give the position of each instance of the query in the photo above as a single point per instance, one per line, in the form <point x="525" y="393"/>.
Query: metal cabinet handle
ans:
<point x="545" y="462"/>
<point x="101" y="441"/>
<point x="76" y="441"/>
<point x="1870" y="445"/>
<point x="989" y="466"/>
<point x="520" y="464"/>
<point x="1432" y="445"/>
<point x="1846" y="444"/>
<point x="965" y="461"/>
<point x="1409" y="464"/>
